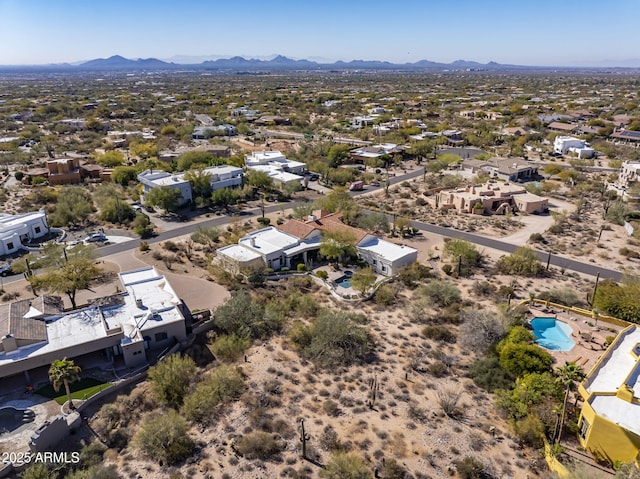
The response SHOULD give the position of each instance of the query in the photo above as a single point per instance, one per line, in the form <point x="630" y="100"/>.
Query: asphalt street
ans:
<point x="567" y="264"/>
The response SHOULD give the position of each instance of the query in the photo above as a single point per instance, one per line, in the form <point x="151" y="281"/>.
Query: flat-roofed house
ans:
<point x="491" y="198"/>
<point x="609" y="424"/>
<point x="15" y="230"/>
<point x="148" y="316"/>
<point x="221" y="176"/>
<point x="298" y="241"/>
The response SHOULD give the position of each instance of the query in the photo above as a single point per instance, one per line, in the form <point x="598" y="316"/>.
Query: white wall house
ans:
<point x="277" y="166"/>
<point x="18" y="229"/>
<point x="566" y="144"/>
<point x="148" y="315"/>
<point x="628" y="176"/>
<point x="297" y="241"/>
<point x="221" y="176"/>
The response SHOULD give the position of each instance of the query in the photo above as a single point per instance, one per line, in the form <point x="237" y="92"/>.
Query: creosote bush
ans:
<point x="223" y="384"/>
<point x="163" y="437"/>
<point x="258" y="445"/>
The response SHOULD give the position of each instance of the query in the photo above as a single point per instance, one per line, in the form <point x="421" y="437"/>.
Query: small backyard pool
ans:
<point x="12" y="418"/>
<point x="344" y="281"/>
<point x="552" y="334"/>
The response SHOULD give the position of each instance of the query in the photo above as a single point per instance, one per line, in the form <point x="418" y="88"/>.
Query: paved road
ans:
<point x="558" y="261"/>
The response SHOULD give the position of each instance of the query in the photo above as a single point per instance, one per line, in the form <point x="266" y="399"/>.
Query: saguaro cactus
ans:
<point x="304" y="437"/>
<point x="373" y="391"/>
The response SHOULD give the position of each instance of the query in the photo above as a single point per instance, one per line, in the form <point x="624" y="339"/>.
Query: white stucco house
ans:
<point x="569" y="144"/>
<point x="298" y="241"/>
<point x="148" y="315"/>
<point x="221" y="176"/>
<point x="277" y="166"/>
<point x="18" y="229"/>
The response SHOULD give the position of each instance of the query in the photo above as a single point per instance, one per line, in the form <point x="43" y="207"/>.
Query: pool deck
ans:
<point x="589" y="337"/>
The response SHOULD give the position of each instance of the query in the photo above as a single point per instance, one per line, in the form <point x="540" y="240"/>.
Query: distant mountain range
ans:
<point x="279" y="63"/>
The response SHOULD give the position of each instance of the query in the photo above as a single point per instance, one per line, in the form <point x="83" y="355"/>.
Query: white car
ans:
<point x="96" y="238"/>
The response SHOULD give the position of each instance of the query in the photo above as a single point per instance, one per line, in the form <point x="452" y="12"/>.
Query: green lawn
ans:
<point x="83" y="389"/>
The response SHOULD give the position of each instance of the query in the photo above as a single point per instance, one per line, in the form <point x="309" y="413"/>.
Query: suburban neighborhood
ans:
<point x="235" y="270"/>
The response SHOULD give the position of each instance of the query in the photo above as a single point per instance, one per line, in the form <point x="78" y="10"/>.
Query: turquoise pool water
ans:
<point x="552" y="334"/>
<point x="344" y="281"/>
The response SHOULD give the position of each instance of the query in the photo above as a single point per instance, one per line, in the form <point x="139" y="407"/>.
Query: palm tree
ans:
<point x="64" y="372"/>
<point x="567" y="375"/>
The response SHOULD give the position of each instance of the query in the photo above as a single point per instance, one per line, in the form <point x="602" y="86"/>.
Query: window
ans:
<point x="9" y="245"/>
<point x="37" y="229"/>
<point x="161" y="337"/>
<point x="374" y="262"/>
<point x="383" y="268"/>
<point x="584" y="428"/>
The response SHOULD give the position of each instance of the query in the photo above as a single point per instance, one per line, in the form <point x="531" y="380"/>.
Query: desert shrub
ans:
<point x="38" y="470"/>
<point x="619" y="300"/>
<point x="171" y="246"/>
<point x="463" y="255"/>
<point x="333" y="338"/>
<point x="301" y="267"/>
<point x="447" y="269"/>
<point x="439" y="333"/>
<point x="163" y="437"/>
<point x="443" y="293"/>
<point x="530" y="431"/>
<point x="523" y="262"/>
<point x="230" y="347"/>
<point x="566" y="296"/>
<point x="144" y="246"/>
<point x="628" y="253"/>
<point x="438" y="369"/>
<point x="385" y="295"/>
<point x="393" y="470"/>
<point x="258" y="445"/>
<point x="264" y="221"/>
<point x="448" y="399"/>
<point x="471" y="468"/>
<point x="484" y="288"/>
<point x="223" y="384"/>
<point x="483" y="330"/>
<point x="537" y="238"/>
<point x="171" y="378"/>
<point x="489" y="374"/>
<point x="345" y="466"/>
<point x="95" y="472"/>
<point x="331" y="408"/>
<point x="415" y="272"/>
<point x="242" y="315"/>
<point x="92" y="454"/>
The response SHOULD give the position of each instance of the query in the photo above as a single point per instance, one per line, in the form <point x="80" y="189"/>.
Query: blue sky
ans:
<point x="524" y="32"/>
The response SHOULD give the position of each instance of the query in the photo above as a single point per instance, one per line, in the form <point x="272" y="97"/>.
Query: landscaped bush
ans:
<point x="264" y="221"/>
<point x="322" y="274"/>
<point x="301" y="267"/>
<point x="566" y="296"/>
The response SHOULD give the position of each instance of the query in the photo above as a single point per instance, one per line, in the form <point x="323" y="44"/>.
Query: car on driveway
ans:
<point x="96" y="238"/>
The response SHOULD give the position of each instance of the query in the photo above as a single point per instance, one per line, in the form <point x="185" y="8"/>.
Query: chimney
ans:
<point x="252" y="241"/>
<point x="9" y="343"/>
<point x="139" y="303"/>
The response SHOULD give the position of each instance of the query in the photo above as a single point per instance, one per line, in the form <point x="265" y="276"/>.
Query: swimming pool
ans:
<point x="12" y="418"/>
<point x="344" y="281"/>
<point x="553" y="334"/>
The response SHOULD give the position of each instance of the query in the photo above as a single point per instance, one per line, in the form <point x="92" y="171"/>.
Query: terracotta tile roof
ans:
<point x="297" y="228"/>
<point x="333" y="223"/>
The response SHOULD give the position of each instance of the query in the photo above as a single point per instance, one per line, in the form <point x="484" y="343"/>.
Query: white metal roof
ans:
<point x="386" y="249"/>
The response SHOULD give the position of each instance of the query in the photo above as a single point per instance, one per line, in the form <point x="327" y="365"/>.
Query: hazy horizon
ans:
<point x="535" y="33"/>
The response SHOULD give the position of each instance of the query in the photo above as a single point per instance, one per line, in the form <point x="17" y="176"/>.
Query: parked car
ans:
<point x="313" y="176"/>
<point x="96" y="238"/>
<point x="136" y="206"/>
<point x="73" y="244"/>
<point x="5" y="270"/>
